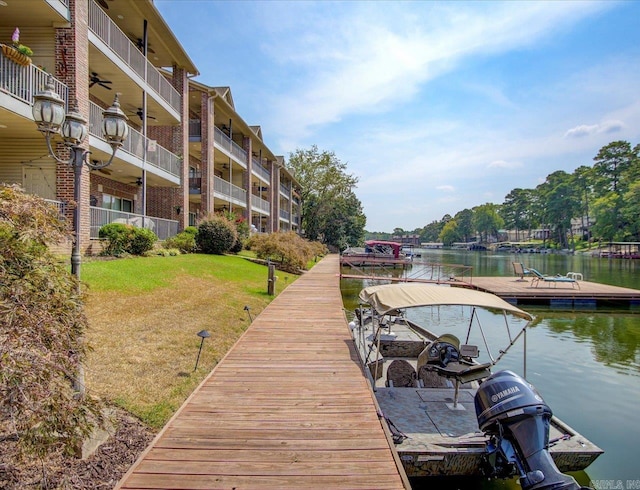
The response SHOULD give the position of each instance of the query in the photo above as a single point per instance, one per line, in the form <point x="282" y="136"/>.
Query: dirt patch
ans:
<point x="102" y="470"/>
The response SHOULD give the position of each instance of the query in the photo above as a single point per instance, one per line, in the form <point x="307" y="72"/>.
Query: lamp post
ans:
<point x="49" y="114"/>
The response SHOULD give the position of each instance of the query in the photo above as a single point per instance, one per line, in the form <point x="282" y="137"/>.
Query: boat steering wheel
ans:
<point x="448" y="353"/>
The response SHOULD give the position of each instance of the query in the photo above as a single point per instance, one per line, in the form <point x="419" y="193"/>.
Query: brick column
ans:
<point x="72" y="68"/>
<point x="181" y="146"/>
<point x="247" y="144"/>
<point x="207" y="113"/>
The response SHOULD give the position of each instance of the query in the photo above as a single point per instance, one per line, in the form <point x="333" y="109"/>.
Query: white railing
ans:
<point x="260" y="204"/>
<point x="259" y="170"/>
<point x="163" y="228"/>
<point x="228" y="190"/>
<point x="103" y="27"/>
<point x="61" y="206"/>
<point x="285" y="190"/>
<point x="134" y="144"/>
<point x="228" y="145"/>
<point x="284" y="215"/>
<point x="22" y="82"/>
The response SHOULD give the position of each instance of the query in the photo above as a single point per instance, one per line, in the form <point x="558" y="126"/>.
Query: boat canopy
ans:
<point x="390" y="297"/>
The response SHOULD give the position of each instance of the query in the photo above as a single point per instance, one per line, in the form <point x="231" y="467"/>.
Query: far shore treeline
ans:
<point x="603" y="200"/>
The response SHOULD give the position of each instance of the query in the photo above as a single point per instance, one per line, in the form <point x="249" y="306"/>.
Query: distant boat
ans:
<point x="376" y="252"/>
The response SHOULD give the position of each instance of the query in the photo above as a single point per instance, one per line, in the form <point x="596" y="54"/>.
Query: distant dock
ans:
<point x="523" y="292"/>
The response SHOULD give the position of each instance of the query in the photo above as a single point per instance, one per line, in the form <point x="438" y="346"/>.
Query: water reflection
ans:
<point x="614" y="339"/>
<point x="585" y="364"/>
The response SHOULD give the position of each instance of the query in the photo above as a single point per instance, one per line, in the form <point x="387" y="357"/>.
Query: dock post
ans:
<point x="271" y="282"/>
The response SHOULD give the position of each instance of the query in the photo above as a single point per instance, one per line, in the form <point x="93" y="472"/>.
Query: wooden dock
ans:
<point x="287" y="407"/>
<point x="590" y="294"/>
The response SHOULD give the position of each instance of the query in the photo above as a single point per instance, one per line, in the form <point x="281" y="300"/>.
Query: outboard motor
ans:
<point x="513" y="414"/>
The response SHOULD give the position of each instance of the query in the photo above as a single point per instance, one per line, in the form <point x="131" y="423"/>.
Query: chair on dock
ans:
<point x="538" y="277"/>
<point x="520" y="270"/>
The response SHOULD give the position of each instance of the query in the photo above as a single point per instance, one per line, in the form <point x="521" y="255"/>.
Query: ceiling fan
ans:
<point x="137" y="182"/>
<point x="104" y="4"/>
<point x="139" y="42"/>
<point x="105" y="171"/>
<point x="95" y="79"/>
<point x="140" y="113"/>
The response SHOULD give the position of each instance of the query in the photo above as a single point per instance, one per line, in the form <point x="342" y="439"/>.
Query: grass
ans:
<point x="144" y="314"/>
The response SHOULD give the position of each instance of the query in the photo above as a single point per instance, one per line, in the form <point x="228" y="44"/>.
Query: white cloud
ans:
<point x="504" y="164"/>
<point x="587" y="130"/>
<point x="446" y="188"/>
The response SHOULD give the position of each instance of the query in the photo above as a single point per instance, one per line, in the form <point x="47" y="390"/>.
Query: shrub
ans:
<point x="116" y="236"/>
<point x="184" y="241"/>
<point x="41" y="330"/>
<point x="126" y="239"/>
<point x="289" y="249"/>
<point x="216" y="235"/>
<point x="142" y="240"/>
<point x="192" y="230"/>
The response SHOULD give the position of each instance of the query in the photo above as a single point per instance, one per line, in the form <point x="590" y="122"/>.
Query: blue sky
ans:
<point x="434" y="106"/>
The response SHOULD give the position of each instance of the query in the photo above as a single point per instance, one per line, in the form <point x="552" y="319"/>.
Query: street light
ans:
<point x="49" y="114"/>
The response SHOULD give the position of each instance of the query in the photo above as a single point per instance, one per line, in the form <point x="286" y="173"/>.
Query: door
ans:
<point x="40" y="181"/>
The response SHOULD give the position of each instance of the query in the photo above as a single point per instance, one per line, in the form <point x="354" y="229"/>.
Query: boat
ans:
<point x="376" y="253"/>
<point x="447" y="409"/>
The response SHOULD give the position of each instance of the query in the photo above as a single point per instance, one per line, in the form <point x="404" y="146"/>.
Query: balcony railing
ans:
<point x="134" y="144"/>
<point x="195" y="128"/>
<point x="229" y="191"/>
<point x="61" y="206"/>
<point x="195" y="184"/>
<point x="260" y="204"/>
<point x="259" y="169"/>
<point x="285" y="190"/>
<point x="103" y="27"/>
<point x="227" y="144"/>
<point x="284" y="215"/>
<point x="22" y="82"/>
<point x="163" y="228"/>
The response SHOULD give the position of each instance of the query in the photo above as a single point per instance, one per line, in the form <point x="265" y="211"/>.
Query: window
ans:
<point x="117" y="203"/>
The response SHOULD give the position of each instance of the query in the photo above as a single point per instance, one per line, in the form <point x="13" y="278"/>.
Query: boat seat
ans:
<point x="401" y="374"/>
<point x="431" y="379"/>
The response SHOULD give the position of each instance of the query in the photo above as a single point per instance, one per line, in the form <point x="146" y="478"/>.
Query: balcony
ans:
<point x="110" y="34"/>
<point x="163" y="228"/>
<point x="259" y="204"/>
<point x="284" y="215"/>
<point x="195" y="184"/>
<point x="225" y="143"/>
<point x="228" y="191"/>
<point x="286" y="191"/>
<point x="135" y="144"/>
<point x="22" y="82"/>
<point x="260" y="171"/>
<point x="195" y="130"/>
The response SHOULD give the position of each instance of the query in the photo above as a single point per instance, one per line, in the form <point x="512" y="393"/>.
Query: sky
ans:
<point x="434" y="106"/>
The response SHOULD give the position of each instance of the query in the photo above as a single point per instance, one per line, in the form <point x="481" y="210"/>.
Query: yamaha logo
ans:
<point x="501" y="394"/>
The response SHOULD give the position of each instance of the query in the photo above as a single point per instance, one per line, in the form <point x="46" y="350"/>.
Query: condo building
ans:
<point x="188" y="152"/>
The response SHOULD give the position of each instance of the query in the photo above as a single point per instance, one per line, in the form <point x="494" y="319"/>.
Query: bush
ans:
<point x="126" y="239"/>
<point x="289" y="249"/>
<point x="216" y="235"/>
<point x="41" y="331"/>
<point x="184" y="241"/>
<point x="142" y="240"/>
<point x="192" y="230"/>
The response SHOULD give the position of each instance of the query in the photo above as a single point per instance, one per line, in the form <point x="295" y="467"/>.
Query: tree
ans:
<point x="327" y="193"/>
<point x="515" y="211"/>
<point x="464" y="225"/>
<point x="486" y="220"/>
<point x="449" y="233"/>
<point x="561" y="204"/>
<point x="612" y="161"/>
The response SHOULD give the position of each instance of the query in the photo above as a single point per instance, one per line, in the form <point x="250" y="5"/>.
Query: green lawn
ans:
<point x="144" y="314"/>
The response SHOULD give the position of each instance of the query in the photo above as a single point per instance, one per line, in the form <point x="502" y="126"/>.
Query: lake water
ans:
<point x="585" y="364"/>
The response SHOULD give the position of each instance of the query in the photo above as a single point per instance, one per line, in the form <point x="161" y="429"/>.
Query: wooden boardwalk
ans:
<point x="287" y="407"/>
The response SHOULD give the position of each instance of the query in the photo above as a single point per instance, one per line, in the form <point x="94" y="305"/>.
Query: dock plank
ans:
<point x="287" y="407"/>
